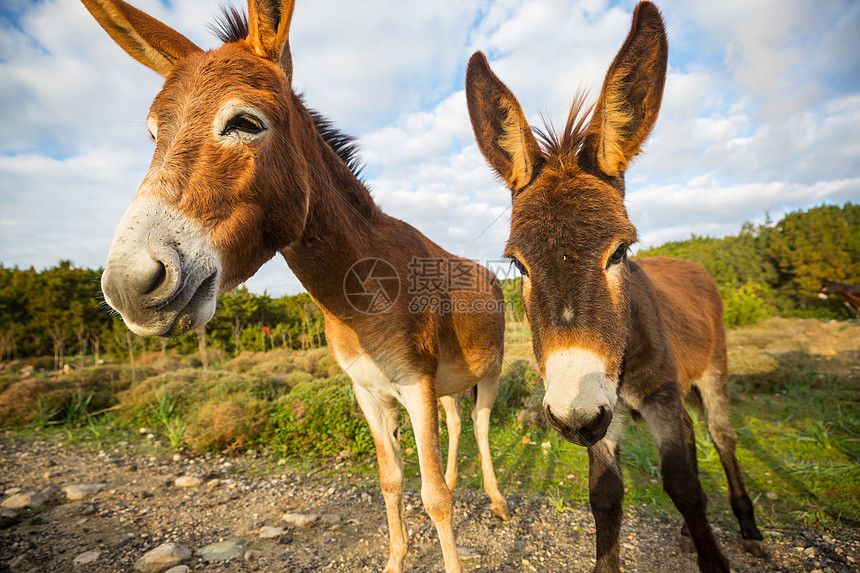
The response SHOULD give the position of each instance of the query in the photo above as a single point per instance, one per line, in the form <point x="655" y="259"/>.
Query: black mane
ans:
<point x="343" y="144"/>
<point x="232" y="26"/>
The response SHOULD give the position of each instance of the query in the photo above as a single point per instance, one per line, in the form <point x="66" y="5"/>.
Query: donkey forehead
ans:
<point x="206" y="79"/>
<point x="561" y="216"/>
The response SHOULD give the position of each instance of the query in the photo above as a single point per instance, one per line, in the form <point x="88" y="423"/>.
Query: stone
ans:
<point x="213" y="483"/>
<point x="269" y="532"/>
<point x="162" y="558"/>
<point x="179" y="569"/>
<point x="82" y="490"/>
<point x="86" y="558"/>
<point x="330" y="518"/>
<point x="223" y="550"/>
<point x="12" y="491"/>
<point x="188" y="481"/>
<point x="300" y="519"/>
<point x="53" y="492"/>
<point x="31" y="499"/>
<point x="467" y="553"/>
<point x="8" y="518"/>
<point x="771" y="495"/>
<point x="252" y="555"/>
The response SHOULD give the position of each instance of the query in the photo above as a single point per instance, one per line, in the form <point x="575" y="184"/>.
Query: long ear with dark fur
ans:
<point x="269" y="31"/>
<point x="147" y="40"/>
<point x="501" y="130"/>
<point x="632" y="92"/>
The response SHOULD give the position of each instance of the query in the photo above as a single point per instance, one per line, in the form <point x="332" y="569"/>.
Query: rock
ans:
<point x="88" y="509"/>
<point x="53" y="492"/>
<point x="8" y="518"/>
<point x="188" y="481"/>
<point x="223" y="550"/>
<point x="213" y="483"/>
<point x="252" y="555"/>
<point x="27" y="371"/>
<point x="467" y="553"/>
<point x="82" y="490"/>
<point x="12" y="491"/>
<point x="330" y="518"/>
<point x="31" y="499"/>
<point x="179" y="569"/>
<point x="162" y="557"/>
<point x="300" y="519"/>
<point x="86" y="558"/>
<point x="771" y="495"/>
<point x="269" y="532"/>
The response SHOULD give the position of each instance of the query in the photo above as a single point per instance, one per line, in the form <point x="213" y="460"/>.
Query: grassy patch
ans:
<point x="794" y="408"/>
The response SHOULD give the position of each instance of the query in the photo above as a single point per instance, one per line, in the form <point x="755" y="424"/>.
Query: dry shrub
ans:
<point x="227" y="425"/>
<point x="22" y="401"/>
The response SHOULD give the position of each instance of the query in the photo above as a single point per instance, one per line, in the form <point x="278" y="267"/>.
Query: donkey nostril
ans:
<point x="158" y="278"/>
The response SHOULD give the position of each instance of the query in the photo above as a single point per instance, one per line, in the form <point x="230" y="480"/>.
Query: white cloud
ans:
<point x="761" y="112"/>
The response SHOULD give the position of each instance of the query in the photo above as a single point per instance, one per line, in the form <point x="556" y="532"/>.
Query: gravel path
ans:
<point x="140" y="507"/>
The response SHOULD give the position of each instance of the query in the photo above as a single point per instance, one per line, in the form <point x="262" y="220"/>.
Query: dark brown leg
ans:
<point x="715" y="400"/>
<point x="673" y="433"/>
<point x="606" y="490"/>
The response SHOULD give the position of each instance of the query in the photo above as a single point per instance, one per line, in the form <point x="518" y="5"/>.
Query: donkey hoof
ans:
<point x="755" y="547"/>
<point x="500" y="510"/>
<point x="687" y="545"/>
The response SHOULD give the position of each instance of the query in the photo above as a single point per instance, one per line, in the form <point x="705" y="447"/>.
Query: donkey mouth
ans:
<point x="197" y="312"/>
<point x="587" y="435"/>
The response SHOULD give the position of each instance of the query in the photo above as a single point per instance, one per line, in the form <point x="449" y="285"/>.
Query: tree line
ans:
<point x="777" y="269"/>
<point x="762" y="271"/>
<point x="60" y="312"/>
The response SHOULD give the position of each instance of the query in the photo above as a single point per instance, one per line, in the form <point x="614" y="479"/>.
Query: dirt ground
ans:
<point x="141" y="507"/>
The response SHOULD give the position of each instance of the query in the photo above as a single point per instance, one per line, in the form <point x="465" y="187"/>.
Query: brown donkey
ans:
<point x="243" y="170"/>
<point x="850" y="294"/>
<point x="610" y="333"/>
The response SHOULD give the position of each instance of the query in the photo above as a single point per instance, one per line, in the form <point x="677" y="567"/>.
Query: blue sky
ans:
<point x="761" y="112"/>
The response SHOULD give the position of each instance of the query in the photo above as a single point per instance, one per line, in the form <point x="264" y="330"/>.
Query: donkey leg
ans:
<point x="605" y="493"/>
<point x="382" y="417"/>
<point x="419" y="398"/>
<point x="686" y="542"/>
<point x="715" y="400"/>
<point x="452" y="419"/>
<point x="487" y="390"/>
<point x="673" y="433"/>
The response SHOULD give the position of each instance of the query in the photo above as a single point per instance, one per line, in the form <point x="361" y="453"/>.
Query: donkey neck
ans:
<point x="343" y="223"/>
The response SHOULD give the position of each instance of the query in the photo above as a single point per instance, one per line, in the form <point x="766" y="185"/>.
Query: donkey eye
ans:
<point x="618" y="256"/>
<point x="244" y="123"/>
<point x="520" y="267"/>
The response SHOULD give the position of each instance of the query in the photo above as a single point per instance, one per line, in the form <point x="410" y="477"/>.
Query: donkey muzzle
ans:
<point x="585" y="433"/>
<point x="161" y="275"/>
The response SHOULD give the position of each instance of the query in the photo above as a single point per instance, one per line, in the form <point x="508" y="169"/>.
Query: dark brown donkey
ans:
<point x="611" y="334"/>
<point x="850" y="294"/>
<point x="243" y="170"/>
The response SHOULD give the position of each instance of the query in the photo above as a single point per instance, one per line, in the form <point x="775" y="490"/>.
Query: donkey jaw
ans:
<point x="580" y="397"/>
<point x="161" y="276"/>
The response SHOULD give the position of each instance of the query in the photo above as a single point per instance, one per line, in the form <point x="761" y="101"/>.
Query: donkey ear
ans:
<point x="630" y="98"/>
<point x="147" y="40"/>
<point x="501" y="130"/>
<point x="269" y="30"/>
